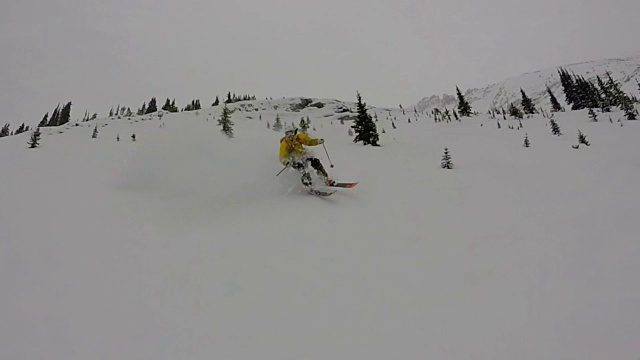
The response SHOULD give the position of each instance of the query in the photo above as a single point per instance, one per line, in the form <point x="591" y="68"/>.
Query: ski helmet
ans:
<point x="291" y="131"/>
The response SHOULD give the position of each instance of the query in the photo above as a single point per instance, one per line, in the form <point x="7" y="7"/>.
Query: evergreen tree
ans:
<point x="277" y="125"/>
<point x="606" y="96"/>
<point x="555" y="128"/>
<point x="19" y="130"/>
<point x="225" y="121"/>
<point x="447" y="114"/>
<point x="129" y="112"/>
<point x="582" y="139"/>
<point x="44" y="121"/>
<point x="555" y="104"/>
<point x="526" y="141"/>
<point x="304" y="126"/>
<point x="34" y="140"/>
<point x="216" y="102"/>
<point x="65" y="114"/>
<point x="568" y="86"/>
<point x="364" y="126"/>
<point x="152" y="107"/>
<point x="617" y="95"/>
<point x="592" y="115"/>
<point x="527" y="104"/>
<point x="229" y="100"/>
<point x="629" y="109"/>
<point x="167" y="105"/>
<point x="111" y="112"/>
<point x="446" y="162"/>
<point x="53" y="120"/>
<point x="95" y="132"/>
<point x="514" y="111"/>
<point x="5" y="130"/>
<point x="464" y="109"/>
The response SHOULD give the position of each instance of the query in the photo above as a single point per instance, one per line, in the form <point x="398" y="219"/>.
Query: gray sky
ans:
<point x="102" y="53"/>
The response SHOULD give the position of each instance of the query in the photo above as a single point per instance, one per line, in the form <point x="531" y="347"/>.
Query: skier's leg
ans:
<point x="317" y="165"/>
<point x="306" y="177"/>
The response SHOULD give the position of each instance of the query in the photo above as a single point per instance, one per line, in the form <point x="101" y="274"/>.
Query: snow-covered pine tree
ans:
<point x="555" y="104"/>
<point x="447" y="114"/>
<point x="582" y="139"/>
<point x="628" y="108"/>
<point x="304" y="126"/>
<point x="5" y="130"/>
<point x="152" y="107"/>
<point x="464" y="109"/>
<point x="527" y="104"/>
<point x="555" y="128"/>
<point x="526" y="141"/>
<point x="225" y="121"/>
<point x="34" y="140"/>
<point x="592" y="115"/>
<point x="44" y="121"/>
<point x="514" y="111"/>
<point x="277" y="125"/>
<point x="95" y="132"/>
<point x="364" y="126"/>
<point x="446" y="162"/>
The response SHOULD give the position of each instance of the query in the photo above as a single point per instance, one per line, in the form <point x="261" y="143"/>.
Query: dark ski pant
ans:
<point x="315" y="164"/>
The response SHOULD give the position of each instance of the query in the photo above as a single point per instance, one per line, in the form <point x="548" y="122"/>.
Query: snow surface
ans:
<point x="184" y="244"/>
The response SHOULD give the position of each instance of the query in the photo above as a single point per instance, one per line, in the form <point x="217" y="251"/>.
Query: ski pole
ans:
<point x="325" y="150"/>
<point x="286" y="166"/>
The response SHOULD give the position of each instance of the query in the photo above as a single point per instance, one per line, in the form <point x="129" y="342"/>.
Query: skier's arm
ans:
<point x="308" y="140"/>
<point x="284" y="153"/>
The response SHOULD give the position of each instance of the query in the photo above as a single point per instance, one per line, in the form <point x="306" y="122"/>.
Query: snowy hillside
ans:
<point x="184" y="244"/>
<point x="626" y="71"/>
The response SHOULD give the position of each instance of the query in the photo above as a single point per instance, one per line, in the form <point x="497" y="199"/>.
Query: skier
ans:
<point x="292" y="153"/>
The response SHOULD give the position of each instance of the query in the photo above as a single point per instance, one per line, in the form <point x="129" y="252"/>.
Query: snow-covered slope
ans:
<point x="184" y="244"/>
<point x="626" y="71"/>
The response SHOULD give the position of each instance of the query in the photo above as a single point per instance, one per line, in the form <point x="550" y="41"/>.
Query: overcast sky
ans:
<point x="102" y="53"/>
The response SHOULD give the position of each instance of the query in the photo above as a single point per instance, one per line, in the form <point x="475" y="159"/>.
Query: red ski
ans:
<point x="345" y="185"/>
<point x="320" y="192"/>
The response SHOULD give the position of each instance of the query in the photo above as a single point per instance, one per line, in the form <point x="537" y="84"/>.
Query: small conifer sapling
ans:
<point x="34" y="141"/>
<point x="446" y="162"/>
<point x="582" y="139"/>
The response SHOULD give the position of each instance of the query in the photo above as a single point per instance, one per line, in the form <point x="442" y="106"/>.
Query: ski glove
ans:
<point x="320" y="141"/>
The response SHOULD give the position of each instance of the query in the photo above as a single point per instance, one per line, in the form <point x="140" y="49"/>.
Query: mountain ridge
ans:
<point x="534" y="83"/>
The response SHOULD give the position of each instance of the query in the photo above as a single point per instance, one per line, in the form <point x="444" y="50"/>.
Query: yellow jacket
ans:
<point x="293" y="147"/>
